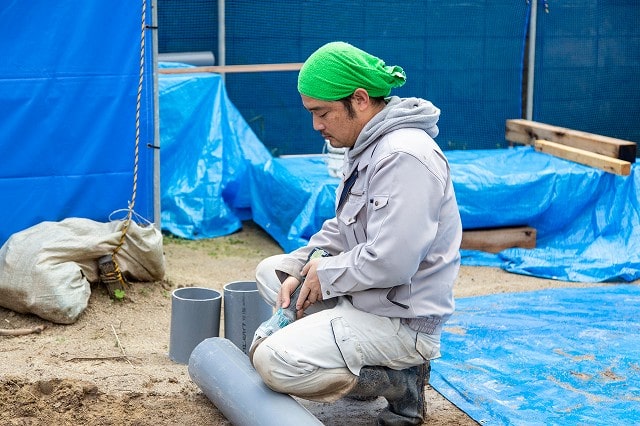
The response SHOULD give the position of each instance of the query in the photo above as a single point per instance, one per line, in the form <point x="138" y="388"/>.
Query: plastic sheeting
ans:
<point x="560" y="356"/>
<point x="216" y="173"/>
<point x="306" y="198"/>
<point x="207" y="149"/>
<point x="587" y="221"/>
<point x="68" y="87"/>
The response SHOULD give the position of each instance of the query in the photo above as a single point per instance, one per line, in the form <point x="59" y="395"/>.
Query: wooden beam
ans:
<point x="608" y="164"/>
<point x="233" y="68"/>
<point x="527" y="132"/>
<point x="497" y="239"/>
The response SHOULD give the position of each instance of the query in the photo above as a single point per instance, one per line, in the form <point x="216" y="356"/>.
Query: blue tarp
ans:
<point x="69" y="78"/>
<point x="566" y="356"/>
<point x="207" y="149"/>
<point x="558" y="356"/>
<point x="587" y="220"/>
<point x="305" y="195"/>
<point x="216" y="173"/>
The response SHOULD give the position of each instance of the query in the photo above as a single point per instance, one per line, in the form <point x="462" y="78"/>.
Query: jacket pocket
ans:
<point x="351" y="222"/>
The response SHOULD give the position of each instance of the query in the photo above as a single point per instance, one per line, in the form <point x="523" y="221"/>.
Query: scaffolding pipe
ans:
<point x="157" y="211"/>
<point x="222" y="35"/>
<point x="225" y="375"/>
<point x="531" y="62"/>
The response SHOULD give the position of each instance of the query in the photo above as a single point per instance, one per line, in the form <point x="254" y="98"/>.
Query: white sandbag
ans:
<point x="47" y="269"/>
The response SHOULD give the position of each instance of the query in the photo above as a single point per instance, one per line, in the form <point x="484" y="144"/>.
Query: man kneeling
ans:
<point x="369" y="315"/>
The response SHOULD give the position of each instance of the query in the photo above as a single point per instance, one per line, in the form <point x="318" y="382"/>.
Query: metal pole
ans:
<point x="156" y="117"/>
<point x="222" y="59"/>
<point x="531" y="63"/>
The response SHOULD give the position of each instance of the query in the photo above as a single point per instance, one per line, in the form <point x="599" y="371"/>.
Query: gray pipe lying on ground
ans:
<point x="225" y="375"/>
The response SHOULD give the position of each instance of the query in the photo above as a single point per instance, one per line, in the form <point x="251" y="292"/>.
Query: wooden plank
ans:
<point x="527" y="132"/>
<point x="497" y="239"/>
<point x="233" y="68"/>
<point x="608" y="164"/>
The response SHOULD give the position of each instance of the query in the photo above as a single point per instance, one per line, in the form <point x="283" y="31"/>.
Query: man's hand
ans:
<point x="286" y="289"/>
<point x="311" y="292"/>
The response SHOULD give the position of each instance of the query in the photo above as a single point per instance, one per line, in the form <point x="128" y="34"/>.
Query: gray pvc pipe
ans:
<point x="226" y="377"/>
<point x="199" y="59"/>
<point x="244" y="311"/>
<point x="195" y="316"/>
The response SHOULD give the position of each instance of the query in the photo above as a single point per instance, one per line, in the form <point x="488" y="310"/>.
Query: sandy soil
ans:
<point x="111" y="367"/>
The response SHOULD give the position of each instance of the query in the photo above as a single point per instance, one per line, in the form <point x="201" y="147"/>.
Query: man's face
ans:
<point x="332" y="120"/>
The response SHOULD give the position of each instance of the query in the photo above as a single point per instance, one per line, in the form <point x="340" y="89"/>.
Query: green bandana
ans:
<point x="337" y="69"/>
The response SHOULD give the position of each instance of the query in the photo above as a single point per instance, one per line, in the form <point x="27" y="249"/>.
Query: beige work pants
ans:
<point x="320" y="356"/>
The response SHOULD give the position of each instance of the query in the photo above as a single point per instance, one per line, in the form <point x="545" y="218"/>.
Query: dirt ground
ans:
<point x="111" y="367"/>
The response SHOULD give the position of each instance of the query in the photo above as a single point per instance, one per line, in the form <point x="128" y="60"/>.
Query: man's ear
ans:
<point x="361" y="98"/>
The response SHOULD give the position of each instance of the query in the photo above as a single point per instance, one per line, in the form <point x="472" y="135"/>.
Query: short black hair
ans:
<point x="346" y="101"/>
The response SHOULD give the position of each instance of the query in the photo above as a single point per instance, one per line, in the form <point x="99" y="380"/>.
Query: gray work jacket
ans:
<point x="395" y="240"/>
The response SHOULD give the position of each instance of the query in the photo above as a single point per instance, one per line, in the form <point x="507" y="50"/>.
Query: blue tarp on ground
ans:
<point x="587" y="220"/>
<point x="305" y="195"/>
<point x="558" y="356"/>
<point x="207" y="148"/>
<point x="548" y="357"/>
<point x="216" y="173"/>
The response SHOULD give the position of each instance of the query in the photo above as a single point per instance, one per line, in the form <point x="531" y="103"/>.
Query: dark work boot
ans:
<point x="403" y="390"/>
